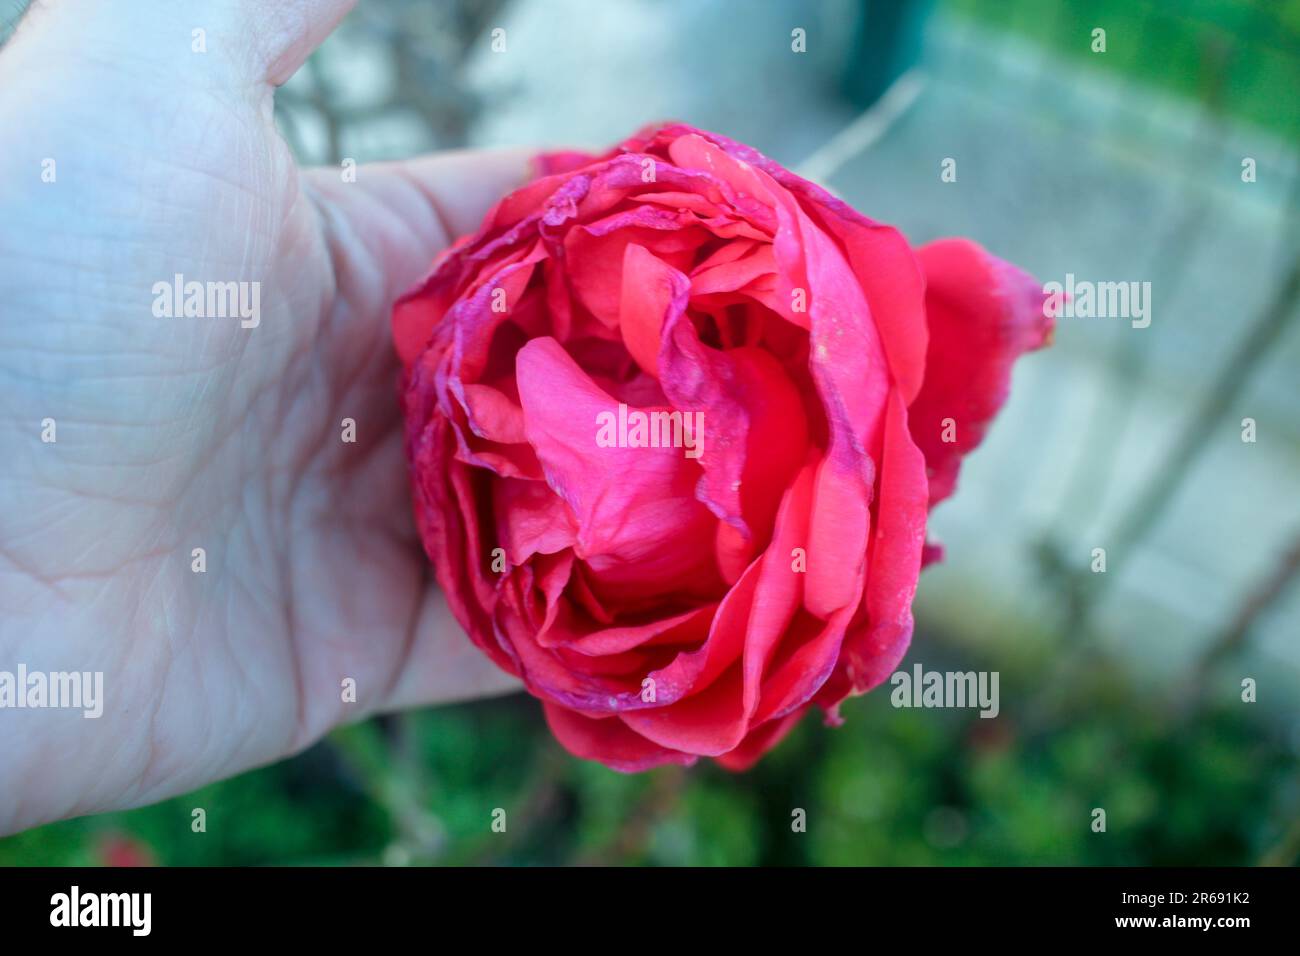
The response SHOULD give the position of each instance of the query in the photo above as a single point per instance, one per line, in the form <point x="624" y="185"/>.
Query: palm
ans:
<point x="181" y="433"/>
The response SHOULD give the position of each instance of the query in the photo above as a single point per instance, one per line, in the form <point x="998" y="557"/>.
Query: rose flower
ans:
<point x="675" y="420"/>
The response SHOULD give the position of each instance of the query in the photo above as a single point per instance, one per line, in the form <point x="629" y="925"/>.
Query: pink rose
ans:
<point x="675" y="419"/>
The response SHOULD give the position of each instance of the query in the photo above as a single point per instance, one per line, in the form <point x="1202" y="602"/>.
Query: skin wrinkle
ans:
<point x="120" y="465"/>
<point x="112" y="568"/>
<point x="335" y="226"/>
<point x="30" y="573"/>
<point x="151" y="727"/>
<point x="327" y="227"/>
<point x="144" y="785"/>
<point x="303" y="734"/>
<point x="410" y="632"/>
<point x="263" y="552"/>
<point x="212" y="449"/>
<point x="136" y="600"/>
<point x="247" y="686"/>
<point x="440" y="220"/>
<point x="340" y="387"/>
<point x="116" y="570"/>
<point x="96" y="360"/>
<point x="161" y="784"/>
<point x="337" y="236"/>
<point x="149" y="73"/>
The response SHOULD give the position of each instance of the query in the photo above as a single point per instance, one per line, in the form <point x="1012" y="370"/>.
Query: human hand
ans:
<point x="221" y="433"/>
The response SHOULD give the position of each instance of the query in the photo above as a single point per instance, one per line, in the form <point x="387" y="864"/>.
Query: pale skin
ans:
<point x="180" y="433"/>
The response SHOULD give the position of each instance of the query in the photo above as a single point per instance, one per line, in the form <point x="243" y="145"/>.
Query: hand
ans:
<point x="221" y="433"/>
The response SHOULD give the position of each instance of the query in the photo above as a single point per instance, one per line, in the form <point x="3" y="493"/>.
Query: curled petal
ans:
<point x="608" y="740"/>
<point x="984" y="314"/>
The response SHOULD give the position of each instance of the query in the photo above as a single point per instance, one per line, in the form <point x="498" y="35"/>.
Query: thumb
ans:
<point x="388" y="222"/>
<point x="227" y="43"/>
<point x="156" y="105"/>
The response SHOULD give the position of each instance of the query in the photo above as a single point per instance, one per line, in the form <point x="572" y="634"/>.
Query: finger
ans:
<point x="384" y="225"/>
<point x="287" y="32"/>
<point x="229" y="43"/>
<point x="391" y="220"/>
<point x="443" y="666"/>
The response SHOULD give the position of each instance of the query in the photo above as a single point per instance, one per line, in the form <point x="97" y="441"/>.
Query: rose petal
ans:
<point x="608" y="740"/>
<point x="634" y="507"/>
<point x="755" y="433"/>
<point x="983" y="314"/>
<point x="651" y="290"/>
<point x="894" y="562"/>
<point x="530" y="519"/>
<point x="758" y="742"/>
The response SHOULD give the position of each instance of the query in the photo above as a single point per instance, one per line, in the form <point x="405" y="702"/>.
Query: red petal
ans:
<point x="651" y="289"/>
<point x="635" y="507"/>
<point x="759" y="741"/>
<point x="608" y="740"/>
<point x="983" y="314"/>
<point x="894" y="561"/>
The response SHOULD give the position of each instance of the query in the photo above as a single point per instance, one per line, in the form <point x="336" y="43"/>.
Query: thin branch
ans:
<point x="1233" y="637"/>
<point x="1160" y="489"/>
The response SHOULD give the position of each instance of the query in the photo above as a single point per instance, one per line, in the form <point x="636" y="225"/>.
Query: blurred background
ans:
<point x="1120" y="690"/>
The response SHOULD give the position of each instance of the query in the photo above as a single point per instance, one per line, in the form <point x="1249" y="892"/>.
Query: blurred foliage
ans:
<point x="891" y="787"/>
<point x="1242" y="54"/>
